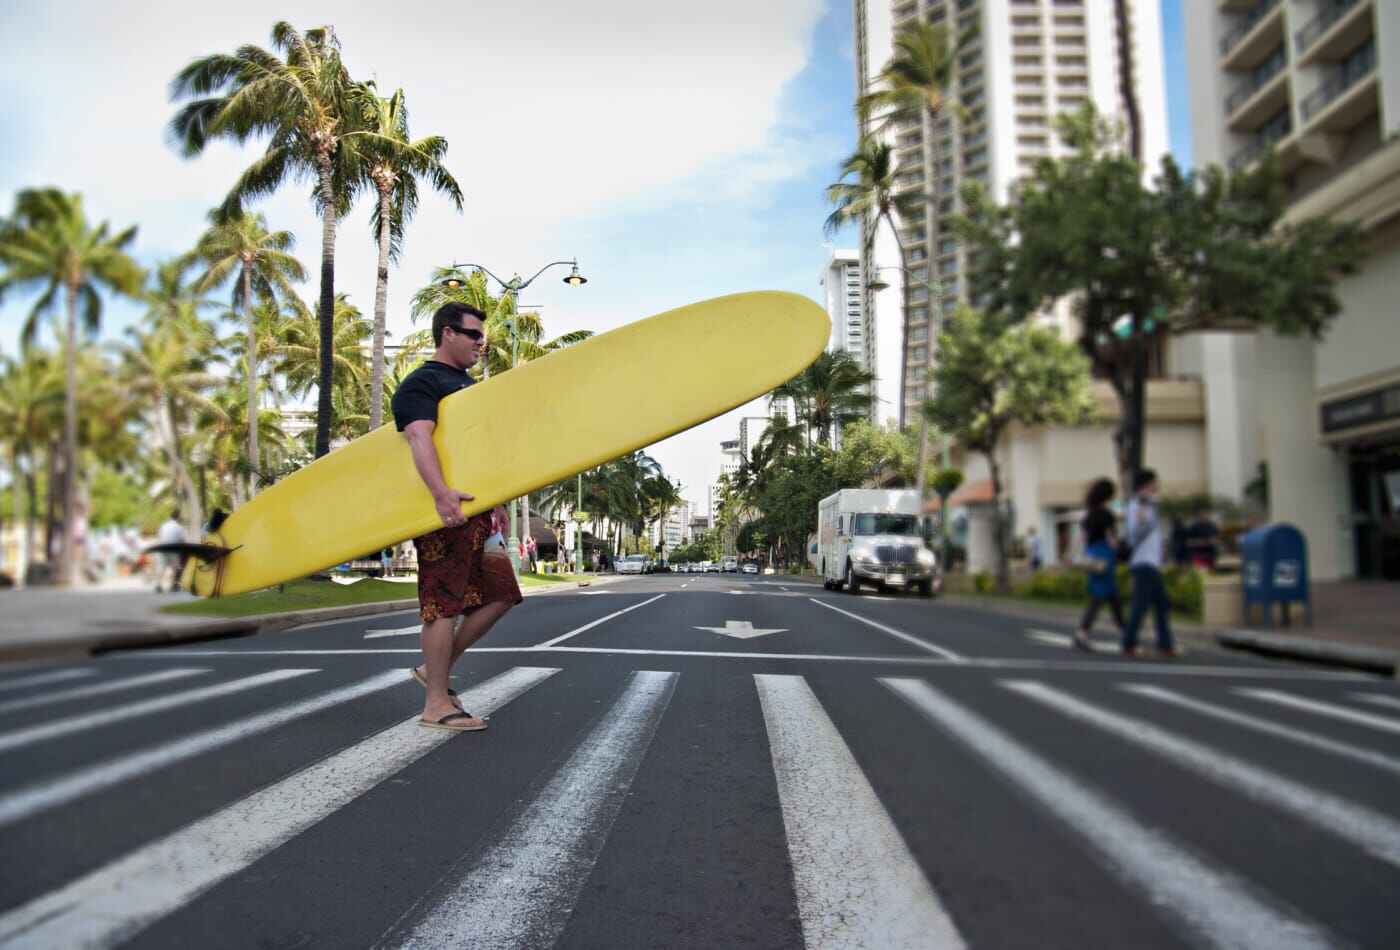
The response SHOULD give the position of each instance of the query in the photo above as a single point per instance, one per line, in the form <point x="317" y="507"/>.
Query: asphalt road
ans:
<point x="698" y="761"/>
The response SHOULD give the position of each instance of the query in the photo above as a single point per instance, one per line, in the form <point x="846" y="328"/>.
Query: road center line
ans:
<point x="856" y="881"/>
<point x="897" y="634"/>
<point x="591" y="625"/>
<point x="521" y="891"/>
<point x="113" y="903"/>
<point x="1369" y="830"/>
<point x="109" y="715"/>
<point x="1222" y="910"/>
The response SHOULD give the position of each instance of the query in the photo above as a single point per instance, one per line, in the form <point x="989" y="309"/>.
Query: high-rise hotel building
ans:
<point x="1027" y="61"/>
<point x="1318" y="82"/>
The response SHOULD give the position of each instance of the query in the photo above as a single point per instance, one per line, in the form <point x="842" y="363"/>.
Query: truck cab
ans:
<point x="871" y="537"/>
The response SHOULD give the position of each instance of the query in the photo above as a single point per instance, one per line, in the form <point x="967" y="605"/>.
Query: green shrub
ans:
<point x="983" y="582"/>
<point x="1058" y="585"/>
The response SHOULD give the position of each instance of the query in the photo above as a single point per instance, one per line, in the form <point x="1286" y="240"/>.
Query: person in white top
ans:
<point x="1143" y="530"/>
<point x="171" y="532"/>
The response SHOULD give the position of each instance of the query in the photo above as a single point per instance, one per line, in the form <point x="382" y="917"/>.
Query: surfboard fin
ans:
<point x="204" y="553"/>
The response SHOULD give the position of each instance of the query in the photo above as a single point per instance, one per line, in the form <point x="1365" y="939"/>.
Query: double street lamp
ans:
<point x="511" y="289"/>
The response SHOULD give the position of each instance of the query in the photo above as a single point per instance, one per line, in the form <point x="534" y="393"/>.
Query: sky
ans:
<point x="678" y="151"/>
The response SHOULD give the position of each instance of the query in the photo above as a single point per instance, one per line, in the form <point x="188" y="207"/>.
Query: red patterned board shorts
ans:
<point x="456" y="577"/>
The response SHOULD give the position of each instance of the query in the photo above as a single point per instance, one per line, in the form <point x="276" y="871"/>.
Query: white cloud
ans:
<point x="561" y="118"/>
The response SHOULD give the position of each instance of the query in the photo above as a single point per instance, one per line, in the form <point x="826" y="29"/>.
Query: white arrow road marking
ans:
<point x="396" y="632"/>
<point x="741" y="630"/>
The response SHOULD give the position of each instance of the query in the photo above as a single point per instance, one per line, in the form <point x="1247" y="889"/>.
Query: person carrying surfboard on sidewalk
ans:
<point x="462" y="591"/>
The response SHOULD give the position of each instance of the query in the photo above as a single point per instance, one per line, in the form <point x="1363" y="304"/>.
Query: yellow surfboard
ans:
<point x="535" y="425"/>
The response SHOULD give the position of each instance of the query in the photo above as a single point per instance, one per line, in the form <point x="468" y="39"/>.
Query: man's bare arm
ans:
<point x="448" y="501"/>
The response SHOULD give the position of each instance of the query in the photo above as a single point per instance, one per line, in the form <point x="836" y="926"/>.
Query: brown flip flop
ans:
<point x="423" y="680"/>
<point x="447" y="723"/>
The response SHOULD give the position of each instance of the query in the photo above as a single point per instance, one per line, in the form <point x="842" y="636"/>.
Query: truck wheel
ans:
<point x="852" y="581"/>
<point x="926" y="588"/>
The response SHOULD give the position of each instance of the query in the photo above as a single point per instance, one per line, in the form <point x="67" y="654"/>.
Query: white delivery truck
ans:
<point x="871" y="536"/>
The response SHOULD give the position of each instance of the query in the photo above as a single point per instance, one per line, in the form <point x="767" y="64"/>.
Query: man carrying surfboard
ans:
<point x="462" y="591"/>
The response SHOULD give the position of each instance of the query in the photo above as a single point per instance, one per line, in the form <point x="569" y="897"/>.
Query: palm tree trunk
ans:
<point x="179" y="472"/>
<point x="31" y="520"/>
<point x="381" y="302"/>
<point x="903" y="321"/>
<point x="68" y="558"/>
<point x="253" y="459"/>
<point x="21" y="522"/>
<point x="998" y="526"/>
<point x="1126" y="86"/>
<point x="326" y="310"/>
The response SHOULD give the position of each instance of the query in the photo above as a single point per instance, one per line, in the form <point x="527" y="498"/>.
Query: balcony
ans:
<point x="1335" y="31"/>
<point x="1254" y="38"/>
<point x="1350" y="94"/>
<point x="1259" y="96"/>
<point x="1278" y="129"/>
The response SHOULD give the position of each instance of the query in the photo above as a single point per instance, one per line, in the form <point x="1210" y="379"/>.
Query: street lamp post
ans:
<point x="512" y="289"/>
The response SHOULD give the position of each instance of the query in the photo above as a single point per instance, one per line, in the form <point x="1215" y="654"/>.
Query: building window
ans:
<point x="918" y="334"/>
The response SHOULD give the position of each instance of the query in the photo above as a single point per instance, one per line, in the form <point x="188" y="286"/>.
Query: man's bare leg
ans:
<point x="437" y="663"/>
<point x="471" y="629"/>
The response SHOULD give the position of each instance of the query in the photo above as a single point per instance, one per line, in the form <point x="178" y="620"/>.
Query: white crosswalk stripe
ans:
<point x="83" y="693"/>
<point x="1310" y="739"/>
<point x="1050" y="638"/>
<point x="857" y="883"/>
<point x="1369" y="830"/>
<point x="41" y="796"/>
<point x="109" y="715"/>
<point x="113" y="903"/>
<point x="521" y="891"/>
<point x="1391" y="701"/>
<point x="39" y="679"/>
<point x="1221" y="909"/>
<point x="1332" y="710"/>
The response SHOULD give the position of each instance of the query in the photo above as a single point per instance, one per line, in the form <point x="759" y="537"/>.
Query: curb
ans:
<point x="1366" y="659"/>
<point x="194" y="631"/>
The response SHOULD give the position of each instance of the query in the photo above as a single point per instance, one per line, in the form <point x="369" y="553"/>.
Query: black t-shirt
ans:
<point x="419" y="394"/>
<point x="1097" y="524"/>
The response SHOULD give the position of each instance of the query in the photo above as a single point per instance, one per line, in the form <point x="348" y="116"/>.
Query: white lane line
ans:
<point x="1221" y="909"/>
<point x="108" y="715"/>
<point x="897" y="634"/>
<point x="41" y="796"/>
<point x="1050" y="638"/>
<point x="1132" y="668"/>
<point x="362" y="619"/>
<point x="113" y="903"/>
<point x="1378" y="700"/>
<point x="684" y="586"/>
<point x="857" y="883"/>
<point x="396" y="632"/>
<point x="39" y="679"/>
<point x="1366" y="828"/>
<point x="590" y="626"/>
<point x="1383" y="723"/>
<point x="82" y="694"/>
<point x="521" y="892"/>
<point x="1302" y="737"/>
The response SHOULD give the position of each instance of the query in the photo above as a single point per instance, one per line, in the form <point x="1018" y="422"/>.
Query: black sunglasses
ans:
<point x="467" y="331"/>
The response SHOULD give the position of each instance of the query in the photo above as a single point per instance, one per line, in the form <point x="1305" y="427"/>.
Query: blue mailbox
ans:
<point x="1275" y="569"/>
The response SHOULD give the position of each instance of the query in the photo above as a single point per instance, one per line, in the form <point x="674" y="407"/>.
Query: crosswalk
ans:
<point x="860" y="869"/>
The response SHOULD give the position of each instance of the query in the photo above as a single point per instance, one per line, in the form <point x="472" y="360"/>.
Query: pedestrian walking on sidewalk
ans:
<point x="461" y="591"/>
<point x="170" y="564"/>
<point x="1143" y="528"/>
<point x="1100" y="542"/>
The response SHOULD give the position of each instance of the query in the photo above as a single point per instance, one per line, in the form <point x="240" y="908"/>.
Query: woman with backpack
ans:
<point x="1100" y="559"/>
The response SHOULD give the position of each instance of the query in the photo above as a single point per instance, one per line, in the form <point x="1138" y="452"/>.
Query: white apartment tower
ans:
<point x="1318" y="82"/>
<point x="845" y="305"/>
<point x="1028" y="61"/>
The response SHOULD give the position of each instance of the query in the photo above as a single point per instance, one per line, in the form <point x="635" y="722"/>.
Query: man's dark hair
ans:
<point x="451" y="314"/>
<point x="1144" y="478"/>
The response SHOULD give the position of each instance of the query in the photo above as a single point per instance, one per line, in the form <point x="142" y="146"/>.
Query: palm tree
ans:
<point x="241" y="246"/>
<point x="303" y="103"/>
<point x="1127" y="85"/>
<point x="49" y="245"/>
<point x="916" y="81"/>
<point x="834" y="391"/>
<point x="299" y="348"/>
<point x="220" y="427"/>
<point x="868" y="200"/>
<point x="394" y="163"/>
<point x="31" y="410"/>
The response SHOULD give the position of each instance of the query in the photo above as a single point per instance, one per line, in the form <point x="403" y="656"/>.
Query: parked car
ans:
<point x="632" y="564"/>
<point x="749" y="568"/>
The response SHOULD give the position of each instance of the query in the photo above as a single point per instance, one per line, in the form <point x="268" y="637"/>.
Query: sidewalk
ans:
<point x="124" y="613"/>
<point x="1356" y="625"/>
